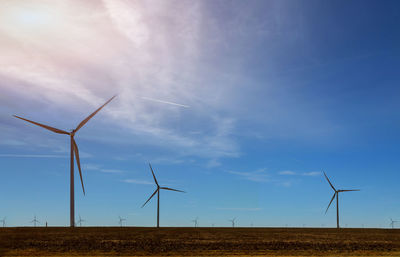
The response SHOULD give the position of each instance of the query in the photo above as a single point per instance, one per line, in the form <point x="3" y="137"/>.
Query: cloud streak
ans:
<point x="137" y="181"/>
<point x="165" y="102"/>
<point x="259" y="175"/>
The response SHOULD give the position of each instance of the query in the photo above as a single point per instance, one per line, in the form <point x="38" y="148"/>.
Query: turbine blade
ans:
<point x="76" y="151"/>
<point x="154" y="176"/>
<point x="329" y="182"/>
<point x="333" y="197"/>
<point x="167" y="188"/>
<point x="349" y="190"/>
<point x="59" y="131"/>
<point x="150" y="198"/>
<point x="91" y="115"/>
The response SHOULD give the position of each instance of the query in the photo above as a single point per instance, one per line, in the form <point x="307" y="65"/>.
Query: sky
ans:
<point x="242" y="104"/>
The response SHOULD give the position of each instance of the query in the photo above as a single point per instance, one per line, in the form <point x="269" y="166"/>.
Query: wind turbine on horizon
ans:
<point x="392" y="222"/>
<point x="74" y="150"/>
<point x="34" y="221"/>
<point x="336" y="194"/>
<point x="195" y="221"/>
<point x="80" y="221"/>
<point x="121" y="220"/>
<point x="158" y="195"/>
<point x="3" y="221"/>
<point x="233" y="222"/>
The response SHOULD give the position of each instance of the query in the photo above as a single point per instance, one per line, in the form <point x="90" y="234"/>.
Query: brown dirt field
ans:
<point x="137" y="241"/>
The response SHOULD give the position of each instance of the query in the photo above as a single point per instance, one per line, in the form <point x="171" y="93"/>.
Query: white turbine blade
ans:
<point x="154" y="176"/>
<point x="167" y="188"/>
<point x="333" y="197"/>
<point x="329" y="182"/>
<point x="59" y="131"/>
<point x="78" y="161"/>
<point x="91" y="115"/>
<point x="150" y="197"/>
<point x="349" y="190"/>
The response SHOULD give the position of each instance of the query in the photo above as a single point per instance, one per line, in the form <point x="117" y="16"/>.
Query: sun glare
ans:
<point x="32" y="17"/>
<point x="26" y="17"/>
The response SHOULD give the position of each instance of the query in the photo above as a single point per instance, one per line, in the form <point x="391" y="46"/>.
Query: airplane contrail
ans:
<point x="165" y="102"/>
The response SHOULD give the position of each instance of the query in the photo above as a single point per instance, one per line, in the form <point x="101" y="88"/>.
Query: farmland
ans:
<point x="139" y="241"/>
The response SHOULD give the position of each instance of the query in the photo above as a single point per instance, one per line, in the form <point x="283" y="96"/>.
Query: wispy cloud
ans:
<point x="137" y="181"/>
<point x="101" y="169"/>
<point x="312" y="173"/>
<point x="293" y="173"/>
<point x="239" y="209"/>
<point x="164" y="102"/>
<point x="287" y="172"/>
<point x="111" y="171"/>
<point x="259" y="175"/>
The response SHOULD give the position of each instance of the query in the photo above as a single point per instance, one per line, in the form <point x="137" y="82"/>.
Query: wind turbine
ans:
<point x="158" y="195"/>
<point x="392" y="222"/>
<point x="80" y="221"/>
<point x="34" y="221"/>
<point x="121" y="220"/>
<point x="336" y="194"/>
<point x="233" y="222"/>
<point x="3" y="221"/>
<point x="195" y="221"/>
<point x="74" y="150"/>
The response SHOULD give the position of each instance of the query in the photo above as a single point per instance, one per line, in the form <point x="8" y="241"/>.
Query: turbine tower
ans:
<point x="195" y="221"/>
<point x="3" y="221"/>
<point x="336" y="194"/>
<point x="74" y="150"/>
<point x="34" y="221"/>
<point x="80" y="221"/>
<point x="233" y="222"/>
<point x="158" y="195"/>
<point x="392" y="222"/>
<point x="121" y="220"/>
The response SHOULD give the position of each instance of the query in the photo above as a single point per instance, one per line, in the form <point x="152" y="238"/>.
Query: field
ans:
<point x="138" y="241"/>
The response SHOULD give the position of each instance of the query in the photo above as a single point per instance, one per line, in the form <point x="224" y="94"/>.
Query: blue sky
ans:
<point x="241" y="104"/>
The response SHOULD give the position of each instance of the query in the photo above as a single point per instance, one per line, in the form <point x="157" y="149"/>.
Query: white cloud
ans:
<point x="96" y="167"/>
<point x="111" y="171"/>
<point x="312" y="173"/>
<point x="257" y="176"/>
<point x="137" y="181"/>
<point x="287" y="172"/>
<point x="146" y="51"/>
<point x="175" y="52"/>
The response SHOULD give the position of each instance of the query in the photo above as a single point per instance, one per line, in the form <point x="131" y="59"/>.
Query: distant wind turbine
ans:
<point x="121" y="220"/>
<point x="80" y="221"/>
<point x="195" y="221"/>
<point x="3" y="221"/>
<point x="158" y="195"/>
<point x="336" y="194"/>
<point x="74" y="149"/>
<point x="392" y="222"/>
<point x="34" y="221"/>
<point x="233" y="222"/>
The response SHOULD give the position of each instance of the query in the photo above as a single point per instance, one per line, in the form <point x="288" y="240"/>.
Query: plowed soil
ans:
<point x="137" y="241"/>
